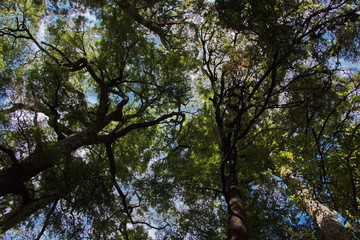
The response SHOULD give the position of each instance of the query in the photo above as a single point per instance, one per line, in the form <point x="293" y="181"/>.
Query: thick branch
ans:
<point x="42" y="158"/>
<point x="117" y="114"/>
<point x="20" y="214"/>
<point x="10" y="153"/>
<point x="45" y="157"/>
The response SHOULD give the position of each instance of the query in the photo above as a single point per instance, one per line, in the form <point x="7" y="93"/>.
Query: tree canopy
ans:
<point x="227" y="119"/>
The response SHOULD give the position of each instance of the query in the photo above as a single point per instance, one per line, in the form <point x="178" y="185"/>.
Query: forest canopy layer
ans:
<point x="180" y="119"/>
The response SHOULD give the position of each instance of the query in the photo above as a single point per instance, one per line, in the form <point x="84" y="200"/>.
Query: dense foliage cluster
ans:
<point x="181" y="119"/>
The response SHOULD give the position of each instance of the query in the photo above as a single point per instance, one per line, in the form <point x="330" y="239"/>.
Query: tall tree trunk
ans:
<point x="236" y="226"/>
<point x="329" y="225"/>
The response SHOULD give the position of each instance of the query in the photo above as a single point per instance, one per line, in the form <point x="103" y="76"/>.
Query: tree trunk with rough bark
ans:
<point x="329" y="225"/>
<point x="236" y="226"/>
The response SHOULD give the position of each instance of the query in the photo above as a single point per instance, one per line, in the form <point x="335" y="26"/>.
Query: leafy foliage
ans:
<point x="174" y="119"/>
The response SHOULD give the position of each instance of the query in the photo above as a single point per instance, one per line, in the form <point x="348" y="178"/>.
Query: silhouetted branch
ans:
<point x="47" y="220"/>
<point x="10" y="153"/>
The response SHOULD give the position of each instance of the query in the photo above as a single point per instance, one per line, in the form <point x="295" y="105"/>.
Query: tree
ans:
<point x="320" y="132"/>
<point x="257" y="76"/>
<point x="124" y="118"/>
<point x="70" y="97"/>
<point x="322" y="215"/>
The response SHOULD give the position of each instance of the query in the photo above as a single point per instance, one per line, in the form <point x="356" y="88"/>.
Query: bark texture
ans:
<point x="236" y="215"/>
<point x="329" y="225"/>
<point x="236" y="225"/>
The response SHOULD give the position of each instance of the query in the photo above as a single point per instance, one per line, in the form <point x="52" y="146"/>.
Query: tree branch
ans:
<point x="11" y="154"/>
<point x="131" y="127"/>
<point x="20" y="214"/>
<point x="129" y="8"/>
<point x="47" y="220"/>
<point x="127" y="208"/>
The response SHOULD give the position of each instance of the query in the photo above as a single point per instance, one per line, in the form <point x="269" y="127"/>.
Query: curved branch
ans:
<point x="20" y="214"/>
<point x="112" y="164"/>
<point x="127" y="208"/>
<point x="117" y="114"/>
<point x="131" y="127"/>
<point x="10" y="153"/>
<point x="58" y="50"/>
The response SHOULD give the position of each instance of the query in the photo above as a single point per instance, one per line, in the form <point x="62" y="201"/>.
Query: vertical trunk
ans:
<point x="329" y="225"/>
<point x="236" y="227"/>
